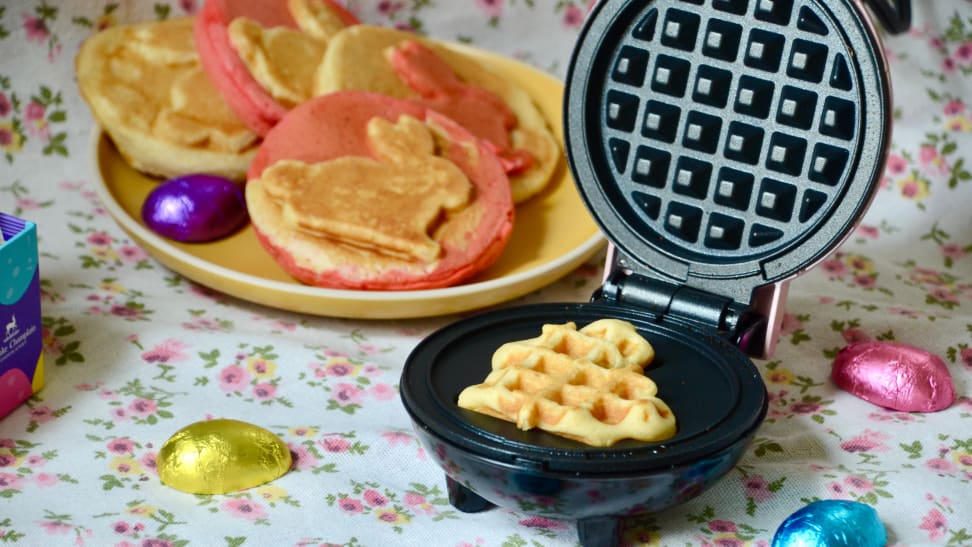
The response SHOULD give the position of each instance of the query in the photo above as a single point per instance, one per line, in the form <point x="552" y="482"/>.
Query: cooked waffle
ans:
<point x="587" y="385"/>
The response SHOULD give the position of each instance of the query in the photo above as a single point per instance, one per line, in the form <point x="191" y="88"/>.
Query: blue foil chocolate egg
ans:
<point x="832" y="523"/>
<point x="195" y="208"/>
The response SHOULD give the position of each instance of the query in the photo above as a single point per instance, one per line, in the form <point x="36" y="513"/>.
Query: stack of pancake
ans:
<point x="373" y="158"/>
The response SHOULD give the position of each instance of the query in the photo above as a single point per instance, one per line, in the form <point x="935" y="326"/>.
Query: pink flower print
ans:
<point x="9" y="481"/>
<point x="804" y="407"/>
<point x="339" y="369"/>
<point x="395" y="438"/>
<point x="833" y="267"/>
<point x="865" y="281"/>
<point x="122" y="446"/>
<point x="7" y="459"/>
<point x="492" y="8"/>
<point x="869" y="232"/>
<point x="854" y="334"/>
<point x="100" y="239"/>
<point x="722" y="526"/>
<point x="727" y="541"/>
<point x="33" y="461"/>
<point x="132" y="253"/>
<point x="349" y="505"/>
<point x="28" y="204"/>
<point x="952" y="250"/>
<point x="36" y="29"/>
<point x="412" y="499"/>
<point x="953" y="107"/>
<point x="156" y="542"/>
<point x="34" y="111"/>
<point x="837" y="490"/>
<point x="965" y="354"/>
<point x="264" y="391"/>
<point x="41" y="414"/>
<point x="119" y="413"/>
<point x="301" y="458"/>
<point x="757" y="488"/>
<point x="245" y="509"/>
<point x="45" y="480"/>
<point x="896" y="165"/>
<point x="374" y="498"/>
<point x="935" y="524"/>
<point x="169" y="350"/>
<point x="347" y="394"/>
<point x="148" y="461"/>
<point x="383" y="392"/>
<point x="948" y="65"/>
<point x="932" y="161"/>
<point x="858" y="483"/>
<point x="143" y="407"/>
<point x="369" y="349"/>
<point x="388" y="8"/>
<point x="334" y="444"/>
<point x="964" y="53"/>
<point x="233" y="378"/>
<point x="55" y="528"/>
<point x="120" y="310"/>
<point x="943" y="295"/>
<point x="5" y="106"/>
<point x="121" y="527"/>
<point x="940" y="465"/>
<point x="573" y="17"/>
<point x="869" y="441"/>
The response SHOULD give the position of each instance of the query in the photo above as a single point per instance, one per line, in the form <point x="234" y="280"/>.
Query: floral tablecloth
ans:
<point x="135" y="352"/>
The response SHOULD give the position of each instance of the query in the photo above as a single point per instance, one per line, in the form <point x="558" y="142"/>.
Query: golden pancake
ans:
<point x="358" y="57"/>
<point x="146" y="88"/>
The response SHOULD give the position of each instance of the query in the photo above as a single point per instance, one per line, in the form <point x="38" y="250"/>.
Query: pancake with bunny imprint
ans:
<point x="405" y="66"/>
<point x="262" y="56"/>
<point x="361" y="191"/>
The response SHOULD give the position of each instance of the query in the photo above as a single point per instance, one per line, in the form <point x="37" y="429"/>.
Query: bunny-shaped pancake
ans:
<point x="362" y="191"/>
<point x="395" y="63"/>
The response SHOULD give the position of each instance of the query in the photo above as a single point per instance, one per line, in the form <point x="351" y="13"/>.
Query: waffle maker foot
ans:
<point x="465" y="499"/>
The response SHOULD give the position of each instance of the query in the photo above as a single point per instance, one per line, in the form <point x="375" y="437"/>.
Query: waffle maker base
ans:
<point x="714" y="390"/>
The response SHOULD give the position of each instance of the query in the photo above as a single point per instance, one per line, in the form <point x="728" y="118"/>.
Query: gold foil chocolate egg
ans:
<point x="220" y="456"/>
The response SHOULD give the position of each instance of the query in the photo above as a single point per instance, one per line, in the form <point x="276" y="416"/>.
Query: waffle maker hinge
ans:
<point x="738" y="322"/>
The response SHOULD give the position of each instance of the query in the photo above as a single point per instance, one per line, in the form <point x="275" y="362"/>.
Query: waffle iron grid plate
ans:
<point x="727" y="144"/>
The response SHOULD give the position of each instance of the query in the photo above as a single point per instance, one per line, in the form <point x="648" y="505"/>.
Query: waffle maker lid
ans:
<point x="726" y="144"/>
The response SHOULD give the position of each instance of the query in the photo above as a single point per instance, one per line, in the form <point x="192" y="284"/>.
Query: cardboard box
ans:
<point x="21" y="350"/>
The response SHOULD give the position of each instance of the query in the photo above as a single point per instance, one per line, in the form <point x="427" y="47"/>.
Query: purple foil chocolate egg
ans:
<point x="895" y="376"/>
<point x="195" y="208"/>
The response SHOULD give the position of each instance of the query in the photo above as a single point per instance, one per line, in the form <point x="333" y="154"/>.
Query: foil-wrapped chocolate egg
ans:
<point x="832" y="523"/>
<point x="895" y="376"/>
<point x="195" y="208"/>
<point x="220" y="456"/>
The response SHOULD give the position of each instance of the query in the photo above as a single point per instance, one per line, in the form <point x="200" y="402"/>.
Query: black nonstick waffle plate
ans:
<point x="727" y="144"/>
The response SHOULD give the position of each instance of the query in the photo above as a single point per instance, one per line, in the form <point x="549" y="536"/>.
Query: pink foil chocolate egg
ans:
<point x="195" y="208"/>
<point x="895" y="376"/>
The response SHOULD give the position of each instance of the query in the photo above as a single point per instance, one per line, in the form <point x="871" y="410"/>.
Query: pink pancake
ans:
<point x="332" y="126"/>
<point x="254" y="106"/>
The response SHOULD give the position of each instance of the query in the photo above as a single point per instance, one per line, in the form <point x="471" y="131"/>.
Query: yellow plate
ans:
<point x="553" y="234"/>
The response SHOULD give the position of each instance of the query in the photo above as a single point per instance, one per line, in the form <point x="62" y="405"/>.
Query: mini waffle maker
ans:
<point x="724" y="146"/>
